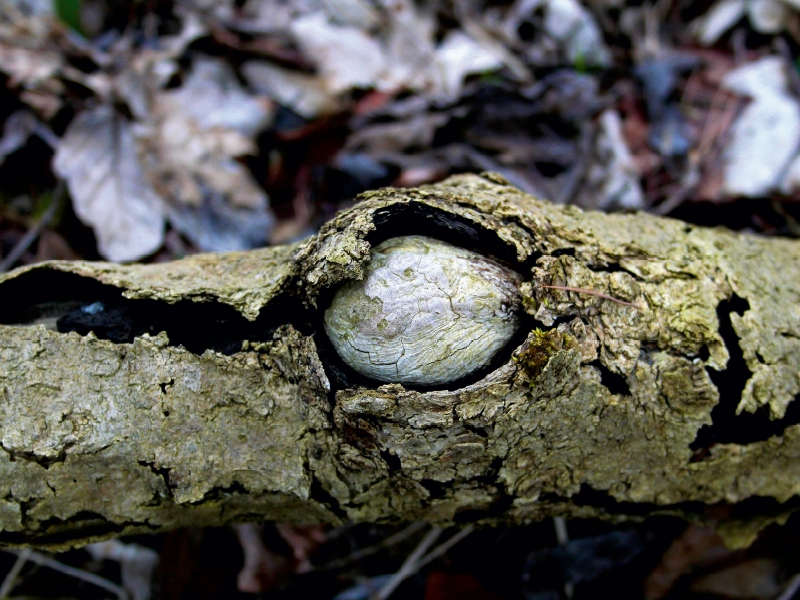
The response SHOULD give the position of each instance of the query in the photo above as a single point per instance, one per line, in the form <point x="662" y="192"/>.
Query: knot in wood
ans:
<point x="426" y="312"/>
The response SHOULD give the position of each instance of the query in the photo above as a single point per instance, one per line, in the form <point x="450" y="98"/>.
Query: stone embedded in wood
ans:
<point x="426" y="312"/>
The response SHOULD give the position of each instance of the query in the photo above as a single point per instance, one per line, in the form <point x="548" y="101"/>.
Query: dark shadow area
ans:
<point x="66" y="302"/>
<point x="615" y="383"/>
<point x="413" y="218"/>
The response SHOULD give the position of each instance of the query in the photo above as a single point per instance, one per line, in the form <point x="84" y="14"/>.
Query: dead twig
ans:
<point x="418" y="559"/>
<point x="374" y="549"/>
<point x="51" y="563"/>
<point x="11" y="579"/>
<point x="591" y="293"/>
<point x="33" y="233"/>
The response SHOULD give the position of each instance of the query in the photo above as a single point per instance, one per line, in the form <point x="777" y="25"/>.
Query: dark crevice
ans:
<point x="392" y="461"/>
<point x="563" y="252"/>
<point x="219" y="493"/>
<point x="57" y="531"/>
<point x="479" y="431"/>
<point x="43" y="461"/>
<point x="414" y="218"/>
<point x="166" y="385"/>
<point x="727" y="427"/>
<point x="67" y="303"/>
<point x="615" y="383"/>
<point x="600" y="499"/>
<point x="319" y="494"/>
<point x="497" y="510"/>
<point x="436" y="489"/>
<point x="611" y="268"/>
<point x="162" y="472"/>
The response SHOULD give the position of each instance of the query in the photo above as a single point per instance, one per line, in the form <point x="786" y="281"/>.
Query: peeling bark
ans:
<point x="138" y="398"/>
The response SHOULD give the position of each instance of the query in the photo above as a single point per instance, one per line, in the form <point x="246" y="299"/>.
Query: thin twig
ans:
<point x="445" y="546"/>
<point x="374" y="549"/>
<point x="562" y="536"/>
<point x="791" y="588"/>
<point x="416" y="560"/>
<point x="30" y="236"/>
<point x="11" y="579"/>
<point x="409" y="566"/>
<point x="591" y="293"/>
<point x="46" y="561"/>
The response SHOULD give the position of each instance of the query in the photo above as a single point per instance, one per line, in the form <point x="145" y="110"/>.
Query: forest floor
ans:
<point x="151" y="130"/>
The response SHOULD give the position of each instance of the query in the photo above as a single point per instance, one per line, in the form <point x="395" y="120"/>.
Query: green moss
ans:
<point x="537" y="350"/>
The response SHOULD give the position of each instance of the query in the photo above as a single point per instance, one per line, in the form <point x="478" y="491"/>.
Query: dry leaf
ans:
<point x="754" y="579"/>
<point x="198" y="131"/>
<point x="28" y="68"/>
<point x="345" y="56"/>
<point x="719" y="19"/>
<point x="459" y="56"/>
<point x="97" y="157"/>
<point x="305" y="94"/>
<point x="612" y="181"/>
<point x="766" y="135"/>
<point x="217" y="226"/>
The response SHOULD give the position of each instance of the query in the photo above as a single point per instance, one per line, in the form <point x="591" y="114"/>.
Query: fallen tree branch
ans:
<point x="137" y="398"/>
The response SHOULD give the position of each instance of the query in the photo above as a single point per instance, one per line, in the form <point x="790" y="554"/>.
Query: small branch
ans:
<point x="11" y="579"/>
<point x="46" y="561"/>
<point x="33" y="233"/>
<point x="411" y="564"/>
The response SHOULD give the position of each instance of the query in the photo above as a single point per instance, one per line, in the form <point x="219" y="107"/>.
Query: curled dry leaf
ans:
<point x="769" y="17"/>
<point x="28" y="68"/>
<point x="403" y="54"/>
<point x="97" y="157"/>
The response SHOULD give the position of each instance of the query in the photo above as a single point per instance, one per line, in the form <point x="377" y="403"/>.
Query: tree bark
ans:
<point x="137" y="398"/>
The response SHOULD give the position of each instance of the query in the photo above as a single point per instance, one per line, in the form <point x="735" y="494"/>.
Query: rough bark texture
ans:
<point x="209" y="394"/>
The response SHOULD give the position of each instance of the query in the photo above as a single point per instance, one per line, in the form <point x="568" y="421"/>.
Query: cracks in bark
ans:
<point x="43" y="461"/>
<point x="727" y="427"/>
<point x="163" y="473"/>
<point x="319" y="494"/>
<point x="602" y="500"/>
<point x="218" y="493"/>
<point x="73" y="530"/>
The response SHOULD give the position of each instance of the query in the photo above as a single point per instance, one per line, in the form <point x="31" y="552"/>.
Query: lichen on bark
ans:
<point x="600" y="409"/>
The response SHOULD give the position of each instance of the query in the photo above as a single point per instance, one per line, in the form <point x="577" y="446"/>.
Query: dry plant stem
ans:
<point x="11" y="579"/>
<point x="224" y="404"/>
<point x="591" y="293"/>
<point x="791" y="588"/>
<point x="390" y="541"/>
<point x="50" y="563"/>
<point x="410" y="565"/>
<point x="440" y="550"/>
<point x="34" y="232"/>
